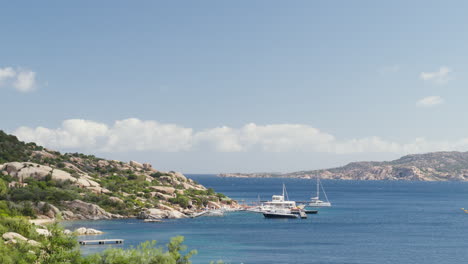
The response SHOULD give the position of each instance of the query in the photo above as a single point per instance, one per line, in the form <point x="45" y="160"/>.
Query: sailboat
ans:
<point x="315" y="201"/>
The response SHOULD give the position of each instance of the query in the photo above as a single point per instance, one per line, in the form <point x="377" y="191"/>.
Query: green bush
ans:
<point x="145" y="253"/>
<point x="181" y="200"/>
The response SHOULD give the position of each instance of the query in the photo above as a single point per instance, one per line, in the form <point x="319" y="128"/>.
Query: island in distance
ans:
<point x="434" y="166"/>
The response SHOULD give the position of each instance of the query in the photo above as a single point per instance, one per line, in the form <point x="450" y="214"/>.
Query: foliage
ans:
<point x="63" y="248"/>
<point x="181" y="200"/>
<point x="3" y="189"/>
<point x="145" y="253"/>
<point x="11" y="149"/>
<point x="129" y="184"/>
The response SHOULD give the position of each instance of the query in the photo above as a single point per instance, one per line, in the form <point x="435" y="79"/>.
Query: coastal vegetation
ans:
<point x="25" y="245"/>
<point x="36" y="182"/>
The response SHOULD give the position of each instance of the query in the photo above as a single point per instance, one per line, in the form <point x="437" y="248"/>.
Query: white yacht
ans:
<point x="278" y="202"/>
<point x="279" y="207"/>
<point x="315" y="201"/>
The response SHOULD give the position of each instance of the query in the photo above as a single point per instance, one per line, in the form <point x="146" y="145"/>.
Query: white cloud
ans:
<point x="441" y="76"/>
<point x="430" y="101"/>
<point x="25" y="81"/>
<point x="223" y="139"/>
<point x="138" y="135"/>
<point x="20" y="79"/>
<point x="270" y="138"/>
<point x="125" y="135"/>
<point x="74" y="133"/>
<point x="6" y="73"/>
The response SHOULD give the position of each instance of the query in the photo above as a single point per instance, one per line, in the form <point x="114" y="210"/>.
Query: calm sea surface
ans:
<point x="370" y="222"/>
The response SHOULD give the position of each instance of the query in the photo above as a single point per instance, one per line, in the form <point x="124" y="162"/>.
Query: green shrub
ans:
<point x="145" y="253"/>
<point x="181" y="200"/>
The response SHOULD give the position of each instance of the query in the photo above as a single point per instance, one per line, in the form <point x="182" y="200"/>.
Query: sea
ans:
<point x="369" y="222"/>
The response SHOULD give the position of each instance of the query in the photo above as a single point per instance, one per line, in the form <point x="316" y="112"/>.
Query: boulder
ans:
<point x="60" y="175"/>
<point x="213" y="205"/>
<point x="136" y="164"/>
<point x="13" y="236"/>
<point x="152" y="213"/>
<point x="24" y="170"/>
<point x="164" y="189"/>
<point x="116" y="199"/>
<point x="68" y="215"/>
<point x="83" y="183"/>
<point x="161" y="195"/>
<point x="147" y="166"/>
<point x="43" y="232"/>
<point x="98" y="190"/>
<point x="180" y="176"/>
<point x="87" y="231"/>
<point x="91" y="231"/>
<point x="86" y="182"/>
<point x="43" y="154"/>
<point x="83" y="210"/>
<point x="33" y="172"/>
<point x="52" y="211"/>
<point x="155" y="213"/>
<point x="103" y="163"/>
<point x="13" y="167"/>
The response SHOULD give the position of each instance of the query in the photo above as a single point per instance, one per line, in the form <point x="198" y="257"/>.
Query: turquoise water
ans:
<point x="370" y="222"/>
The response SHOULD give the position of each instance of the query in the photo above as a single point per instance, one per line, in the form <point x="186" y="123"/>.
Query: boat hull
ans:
<point x="278" y="215"/>
<point x="323" y="204"/>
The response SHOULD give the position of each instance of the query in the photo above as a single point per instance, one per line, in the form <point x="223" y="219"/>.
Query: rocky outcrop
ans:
<point x="213" y="205"/>
<point x="87" y="231"/>
<point x="136" y="164"/>
<point x="164" y="189"/>
<point x="119" y="187"/>
<point x="13" y="235"/>
<point x="161" y="195"/>
<point x="78" y="209"/>
<point x="157" y="213"/>
<point x="13" y="238"/>
<point x="25" y="170"/>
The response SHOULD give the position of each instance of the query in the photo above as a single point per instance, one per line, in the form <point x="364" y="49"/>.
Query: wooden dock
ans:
<point x="101" y="241"/>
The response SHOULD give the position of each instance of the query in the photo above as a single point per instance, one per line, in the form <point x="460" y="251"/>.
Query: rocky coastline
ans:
<point x="435" y="166"/>
<point x="46" y="185"/>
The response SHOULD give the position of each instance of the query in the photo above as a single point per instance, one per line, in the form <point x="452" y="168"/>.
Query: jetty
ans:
<point x="101" y="241"/>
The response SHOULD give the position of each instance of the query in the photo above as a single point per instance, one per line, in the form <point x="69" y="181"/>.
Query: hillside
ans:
<point x="38" y="182"/>
<point x="436" y="166"/>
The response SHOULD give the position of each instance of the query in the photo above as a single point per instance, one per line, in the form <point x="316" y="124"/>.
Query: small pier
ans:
<point x="101" y="241"/>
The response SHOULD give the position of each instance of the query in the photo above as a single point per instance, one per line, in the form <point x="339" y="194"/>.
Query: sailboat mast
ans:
<point x="318" y="188"/>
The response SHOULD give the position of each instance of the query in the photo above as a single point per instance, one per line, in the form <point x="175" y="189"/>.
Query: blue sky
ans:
<point x="212" y="86"/>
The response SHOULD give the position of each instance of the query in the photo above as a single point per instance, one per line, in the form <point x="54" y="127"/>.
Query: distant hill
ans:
<point x="435" y="166"/>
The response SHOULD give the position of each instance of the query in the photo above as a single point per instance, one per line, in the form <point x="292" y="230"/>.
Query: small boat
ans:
<point x="315" y="201"/>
